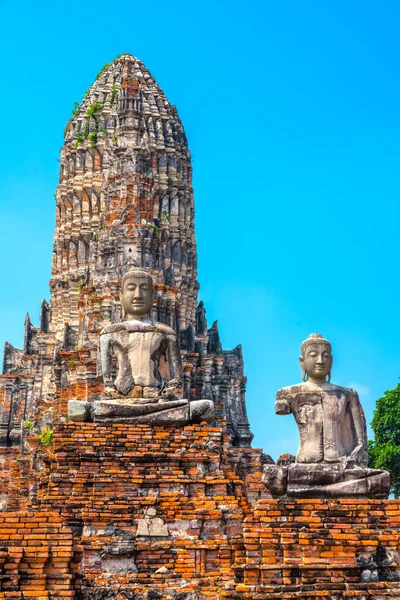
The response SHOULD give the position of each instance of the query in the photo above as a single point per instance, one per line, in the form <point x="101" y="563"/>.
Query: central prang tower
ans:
<point x="124" y="199"/>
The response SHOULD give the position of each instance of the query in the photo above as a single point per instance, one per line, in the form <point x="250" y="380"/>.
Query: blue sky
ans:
<point x="292" y="114"/>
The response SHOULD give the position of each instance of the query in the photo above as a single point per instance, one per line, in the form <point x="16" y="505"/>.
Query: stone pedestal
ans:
<point x="173" y="412"/>
<point x="326" y="480"/>
<point x="310" y="548"/>
<point x="154" y="509"/>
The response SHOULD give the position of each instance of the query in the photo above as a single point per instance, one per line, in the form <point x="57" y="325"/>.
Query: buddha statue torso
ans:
<point x="325" y="418"/>
<point x="144" y="352"/>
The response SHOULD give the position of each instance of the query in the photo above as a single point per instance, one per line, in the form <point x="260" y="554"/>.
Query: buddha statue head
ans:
<point x="136" y="294"/>
<point x="316" y="358"/>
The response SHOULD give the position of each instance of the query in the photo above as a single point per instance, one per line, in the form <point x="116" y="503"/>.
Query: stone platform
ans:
<point x="157" y="513"/>
<point x="314" y="548"/>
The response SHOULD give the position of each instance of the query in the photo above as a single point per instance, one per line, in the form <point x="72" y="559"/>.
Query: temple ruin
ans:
<point x="124" y="510"/>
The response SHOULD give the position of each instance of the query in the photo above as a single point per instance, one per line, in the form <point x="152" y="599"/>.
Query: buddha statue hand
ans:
<point x="170" y="389"/>
<point x="354" y="457"/>
<point x="109" y="388"/>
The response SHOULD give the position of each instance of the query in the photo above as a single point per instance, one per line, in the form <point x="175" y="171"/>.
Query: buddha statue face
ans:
<point x="316" y="358"/>
<point x="136" y="294"/>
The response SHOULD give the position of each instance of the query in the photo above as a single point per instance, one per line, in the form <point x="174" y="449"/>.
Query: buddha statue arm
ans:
<point x="282" y="403"/>
<point x="357" y="415"/>
<point x="105" y="357"/>
<point x="176" y="364"/>
<point x="174" y="359"/>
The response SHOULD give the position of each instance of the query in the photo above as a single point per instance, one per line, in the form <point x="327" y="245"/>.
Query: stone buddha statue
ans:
<point x="332" y="458"/>
<point x="149" y="370"/>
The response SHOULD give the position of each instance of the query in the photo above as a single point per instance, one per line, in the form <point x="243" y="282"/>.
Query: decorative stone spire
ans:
<point x="125" y="198"/>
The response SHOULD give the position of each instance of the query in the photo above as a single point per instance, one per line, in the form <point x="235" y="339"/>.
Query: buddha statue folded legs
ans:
<point x="172" y="412"/>
<point x="321" y="480"/>
<point x="149" y="371"/>
<point x="332" y="458"/>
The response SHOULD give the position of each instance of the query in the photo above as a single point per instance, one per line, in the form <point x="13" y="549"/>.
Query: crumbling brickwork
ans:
<point x="150" y="502"/>
<point x="36" y="556"/>
<point x="134" y="511"/>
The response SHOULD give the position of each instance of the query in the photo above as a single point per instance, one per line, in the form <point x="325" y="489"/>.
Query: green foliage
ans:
<point x="91" y="112"/>
<point x="45" y="437"/>
<point x="81" y="284"/>
<point x="155" y="228"/>
<point x="96" y="235"/>
<point x="114" y="138"/>
<point x="166" y="216"/>
<point x="66" y="127"/>
<point x="28" y="424"/>
<point x="170" y="181"/>
<point x="114" y="94"/>
<point x="94" y="108"/>
<point x="103" y="68"/>
<point x="72" y="362"/>
<point x="384" y="450"/>
<point x="92" y="139"/>
<point x="78" y="346"/>
<point x="79" y="140"/>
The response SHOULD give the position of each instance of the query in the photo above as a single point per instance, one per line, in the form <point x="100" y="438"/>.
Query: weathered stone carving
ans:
<point x="332" y="458"/>
<point x="151" y="525"/>
<point x="149" y="373"/>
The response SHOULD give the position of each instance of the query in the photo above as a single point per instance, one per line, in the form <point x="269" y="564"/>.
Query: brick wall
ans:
<point x="320" y="548"/>
<point x="36" y="555"/>
<point x="158" y="513"/>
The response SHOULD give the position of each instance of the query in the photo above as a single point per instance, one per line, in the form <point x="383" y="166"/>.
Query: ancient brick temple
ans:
<point x="122" y="511"/>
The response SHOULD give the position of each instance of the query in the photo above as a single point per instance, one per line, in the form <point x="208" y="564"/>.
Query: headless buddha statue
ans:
<point x="149" y="370"/>
<point x="332" y="458"/>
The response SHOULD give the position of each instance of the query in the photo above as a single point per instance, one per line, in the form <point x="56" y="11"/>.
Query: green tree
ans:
<point x="384" y="449"/>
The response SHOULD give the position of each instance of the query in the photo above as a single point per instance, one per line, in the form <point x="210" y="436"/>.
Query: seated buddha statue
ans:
<point x="332" y="458"/>
<point x="149" y="369"/>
